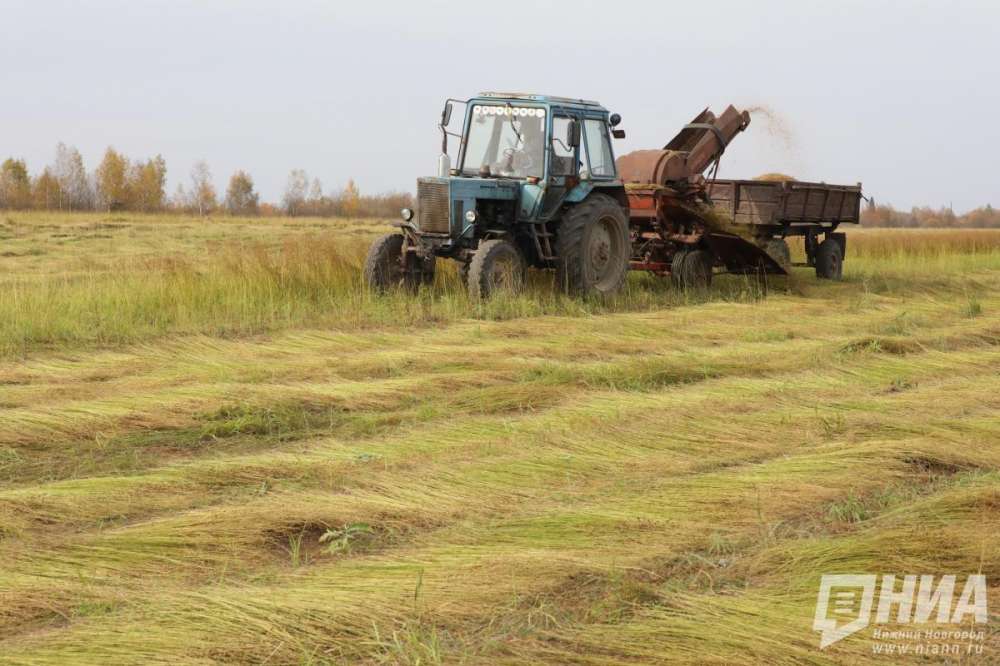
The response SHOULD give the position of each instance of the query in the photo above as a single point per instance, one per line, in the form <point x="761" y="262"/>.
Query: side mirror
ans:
<point x="614" y="120"/>
<point x="446" y="114"/>
<point x="573" y="134"/>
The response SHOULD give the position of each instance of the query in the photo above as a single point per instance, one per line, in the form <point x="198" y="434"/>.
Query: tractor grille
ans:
<point x="432" y="206"/>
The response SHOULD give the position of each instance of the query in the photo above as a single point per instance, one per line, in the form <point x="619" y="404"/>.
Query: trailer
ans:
<point x="778" y="210"/>
<point x="742" y="226"/>
<point x="536" y="184"/>
<point x="689" y="227"/>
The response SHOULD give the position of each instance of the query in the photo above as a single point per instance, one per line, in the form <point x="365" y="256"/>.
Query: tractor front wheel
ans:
<point x="497" y="266"/>
<point x="389" y="265"/>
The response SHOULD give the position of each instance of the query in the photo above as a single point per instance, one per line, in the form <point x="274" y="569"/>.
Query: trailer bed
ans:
<point x="786" y="204"/>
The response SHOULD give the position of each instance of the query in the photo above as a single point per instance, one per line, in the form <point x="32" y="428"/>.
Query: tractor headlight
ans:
<point x="470" y="216"/>
<point x="407" y="214"/>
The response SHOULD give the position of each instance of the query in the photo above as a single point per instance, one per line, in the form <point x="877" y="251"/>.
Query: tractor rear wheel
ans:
<point x="593" y="248"/>
<point x="386" y="267"/>
<point x="497" y="266"/>
<point x="694" y="271"/>
<point x="829" y="260"/>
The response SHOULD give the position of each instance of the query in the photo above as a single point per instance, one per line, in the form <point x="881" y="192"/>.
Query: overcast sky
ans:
<point x="904" y="96"/>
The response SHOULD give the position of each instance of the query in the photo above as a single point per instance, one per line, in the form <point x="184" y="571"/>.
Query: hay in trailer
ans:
<point x="775" y="178"/>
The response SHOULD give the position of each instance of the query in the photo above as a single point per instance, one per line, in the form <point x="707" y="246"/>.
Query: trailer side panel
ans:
<point x="754" y="202"/>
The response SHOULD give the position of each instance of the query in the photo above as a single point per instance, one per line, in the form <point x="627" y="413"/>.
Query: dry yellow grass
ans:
<point x="658" y="480"/>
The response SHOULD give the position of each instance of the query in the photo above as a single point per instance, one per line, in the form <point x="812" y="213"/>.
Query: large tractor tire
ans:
<point x="829" y="260"/>
<point x="496" y="267"/>
<point x="386" y="267"/>
<point x="692" y="269"/>
<point x="593" y="248"/>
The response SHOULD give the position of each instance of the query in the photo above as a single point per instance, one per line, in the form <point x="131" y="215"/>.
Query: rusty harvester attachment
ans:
<point x="685" y="157"/>
<point x="670" y="203"/>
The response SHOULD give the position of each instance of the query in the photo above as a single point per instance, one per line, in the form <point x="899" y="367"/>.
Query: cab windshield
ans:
<point x="505" y="141"/>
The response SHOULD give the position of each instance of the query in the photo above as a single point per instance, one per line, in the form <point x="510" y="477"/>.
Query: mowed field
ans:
<point x="216" y="447"/>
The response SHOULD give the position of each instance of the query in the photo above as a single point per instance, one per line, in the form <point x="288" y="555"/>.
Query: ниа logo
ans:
<point x="854" y="597"/>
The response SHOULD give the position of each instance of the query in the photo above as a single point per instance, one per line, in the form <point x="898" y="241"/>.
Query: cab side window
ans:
<point x="599" y="148"/>
<point x="563" y="155"/>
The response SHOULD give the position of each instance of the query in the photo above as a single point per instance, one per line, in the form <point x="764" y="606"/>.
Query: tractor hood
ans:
<point x="444" y="203"/>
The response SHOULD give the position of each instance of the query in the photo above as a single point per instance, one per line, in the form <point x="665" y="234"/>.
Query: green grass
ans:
<point x="152" y="277"/>
<point x="215" y="447"/>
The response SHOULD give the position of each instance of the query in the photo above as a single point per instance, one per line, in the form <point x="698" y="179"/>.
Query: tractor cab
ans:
<point x="520" y="158"/>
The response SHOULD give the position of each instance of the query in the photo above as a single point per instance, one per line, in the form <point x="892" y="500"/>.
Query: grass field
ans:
<point x="216" y="447"/>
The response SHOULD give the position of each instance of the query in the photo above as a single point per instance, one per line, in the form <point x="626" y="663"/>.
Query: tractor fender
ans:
<point x="613" y="189"/>
<point x="580" y="192"/>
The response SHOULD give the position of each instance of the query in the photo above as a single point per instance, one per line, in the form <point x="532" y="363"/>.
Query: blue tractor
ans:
<point x="534" y="184"/>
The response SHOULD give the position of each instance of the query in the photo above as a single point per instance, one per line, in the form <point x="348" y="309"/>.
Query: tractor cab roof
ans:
<point x="544" y="99"/>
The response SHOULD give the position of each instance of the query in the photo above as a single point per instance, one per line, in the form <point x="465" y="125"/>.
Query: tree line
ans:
<point x="984" y="217"/>
<point x="123" y="184"/>
<point x="305" y="197"/>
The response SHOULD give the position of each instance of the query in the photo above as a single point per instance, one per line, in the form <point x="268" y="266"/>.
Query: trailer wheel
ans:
<point x="677" y="268"/>
<point x="386" y="267"/>
<point x="593" y="248"/>
<point x="497" y="266"/>
<point x="829" y="260"/>
<point x="695" y="269"/>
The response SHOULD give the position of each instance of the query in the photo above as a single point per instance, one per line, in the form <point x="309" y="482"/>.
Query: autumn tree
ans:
<point x="180" y="201"/>
<point x="350" y="199"/>
<point x="985" y="217"/>
<point x="112" y="181"/>
<point x="146" y="183"/>
<point x="15" y="186"/>
<point x="46" y="193"/>
<point x="295" y="192"/>
<point x="203" y="197"/>
<point x="240" y="196"/>
<point x="74" y="186"/>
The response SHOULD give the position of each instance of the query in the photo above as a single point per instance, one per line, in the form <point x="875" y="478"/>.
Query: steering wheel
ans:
<point x="523" y="158"/>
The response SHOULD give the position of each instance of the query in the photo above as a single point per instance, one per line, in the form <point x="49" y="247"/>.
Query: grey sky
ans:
<point x="902" y="96"/>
